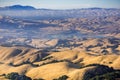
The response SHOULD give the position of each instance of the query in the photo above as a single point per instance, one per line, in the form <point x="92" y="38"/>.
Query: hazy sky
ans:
<point x="63" y="4"/>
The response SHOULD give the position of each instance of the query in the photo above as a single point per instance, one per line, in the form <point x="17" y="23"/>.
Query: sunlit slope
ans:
<point x="18" y="55"/>
<point x="33" y="63"/>
<point x="55" y="70"/>
<point x="86" y="58"/>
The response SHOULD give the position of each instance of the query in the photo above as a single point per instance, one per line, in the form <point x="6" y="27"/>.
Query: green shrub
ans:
<point x="16" y="76"/>
<point x="46" y="58"/>
<point x="107" y="76"/>
<point x="12" y="75"/>
<point x="64" y="77"/>
<point x="101" y="72"/>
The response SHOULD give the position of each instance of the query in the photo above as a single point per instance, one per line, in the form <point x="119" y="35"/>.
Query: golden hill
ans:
<point x="34" y="64"/>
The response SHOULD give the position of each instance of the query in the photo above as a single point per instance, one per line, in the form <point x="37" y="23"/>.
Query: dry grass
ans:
<point x="52" y="70"/>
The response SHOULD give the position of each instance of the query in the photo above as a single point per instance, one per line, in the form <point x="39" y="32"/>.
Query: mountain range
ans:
<point x="29" y="12"/>
<point x="17" y="7"/>
<point x="21" y="7"/>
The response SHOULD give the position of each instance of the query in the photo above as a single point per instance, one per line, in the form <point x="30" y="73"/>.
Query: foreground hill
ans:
<point x="37" y="63"/>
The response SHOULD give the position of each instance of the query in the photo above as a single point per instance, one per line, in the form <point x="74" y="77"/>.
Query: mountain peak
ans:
<point x="20" y="7"/>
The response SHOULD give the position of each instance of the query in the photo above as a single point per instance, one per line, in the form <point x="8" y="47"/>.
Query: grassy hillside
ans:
<point x="34" y="64"/>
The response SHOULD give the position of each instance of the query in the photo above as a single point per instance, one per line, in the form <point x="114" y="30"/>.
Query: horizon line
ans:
<point x="61" y="8"/>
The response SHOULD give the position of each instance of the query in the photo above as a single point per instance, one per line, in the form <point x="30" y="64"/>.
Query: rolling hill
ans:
<point x="37" y="63"/>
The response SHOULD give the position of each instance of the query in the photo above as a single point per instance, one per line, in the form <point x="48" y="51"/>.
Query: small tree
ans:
<point x="64" y="77"/>
<point x="16" y="76"/>
<point x="12" y="75"/>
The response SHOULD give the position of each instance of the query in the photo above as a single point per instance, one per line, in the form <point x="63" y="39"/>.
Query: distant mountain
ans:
<point x="18" y="7"/>
<point x="29" y="12"/>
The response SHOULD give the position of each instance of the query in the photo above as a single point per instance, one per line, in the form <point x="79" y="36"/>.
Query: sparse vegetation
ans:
<point x="110" y="62"/>
<point x="27" y="62"/>
<point x="101" y="72"/>
<point x="39" y="79"/>
<point x="46" y="58"/>
<point x="16" y="76"/>
<point x="53" y="61"/>
<point x="64" y="77"/>
<point x="56" y="61"/>
<point x="107" y="76"/>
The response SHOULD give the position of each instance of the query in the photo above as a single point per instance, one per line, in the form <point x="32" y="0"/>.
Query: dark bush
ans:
<point x="64" y="77"/>
<point x="12" y="75"/>
<point x="16" y="76"/>
<point x="101" y="72"/>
